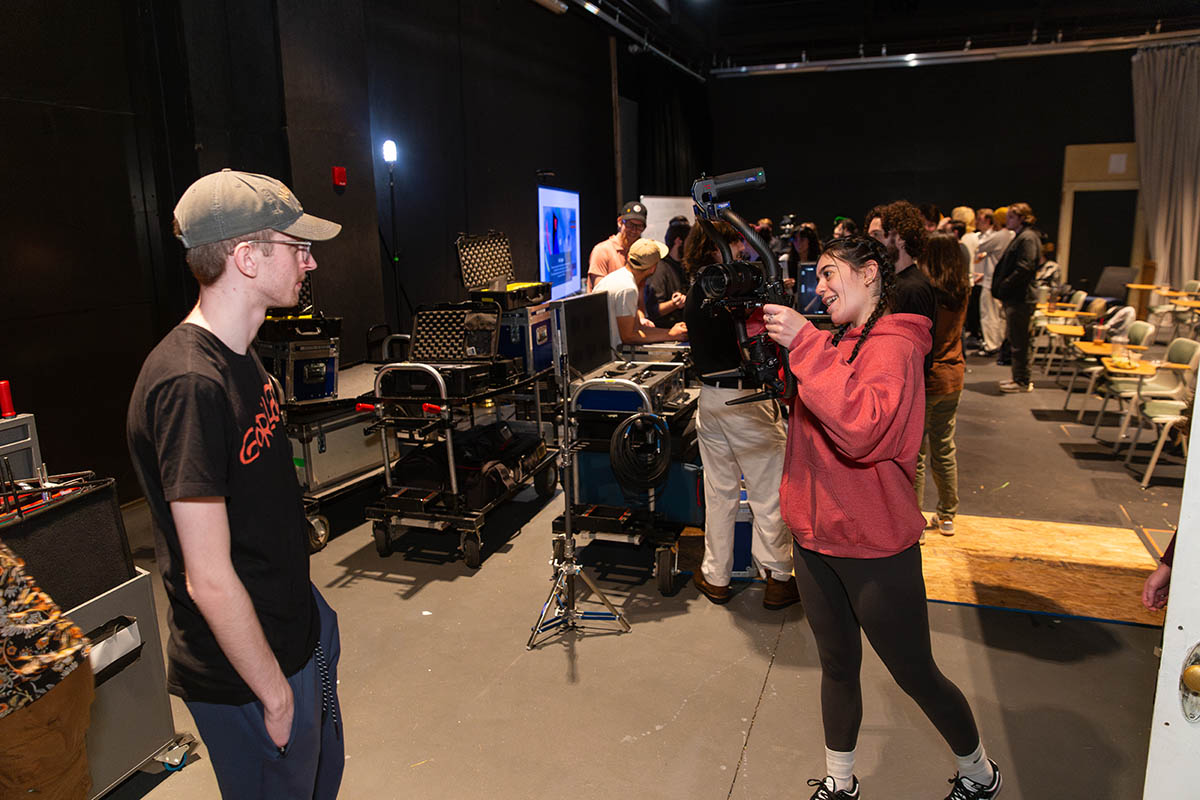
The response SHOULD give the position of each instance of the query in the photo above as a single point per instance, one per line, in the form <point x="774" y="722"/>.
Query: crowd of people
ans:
<point x="835" y="488"/>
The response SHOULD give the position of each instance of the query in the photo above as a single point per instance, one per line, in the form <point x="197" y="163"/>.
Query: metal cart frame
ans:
<point x="433" y="509"/>
<point x="666" y="542"/>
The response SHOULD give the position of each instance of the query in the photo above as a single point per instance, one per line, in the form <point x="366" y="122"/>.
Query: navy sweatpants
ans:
<point x="246" y="761"/>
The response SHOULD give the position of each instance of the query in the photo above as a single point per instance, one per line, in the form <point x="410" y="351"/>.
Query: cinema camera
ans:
<point x="741" y="287"/>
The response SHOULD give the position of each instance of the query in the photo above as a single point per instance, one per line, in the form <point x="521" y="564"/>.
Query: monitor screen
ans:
<point x="806" y="289"/>
<point x="585" y="331"/>
<point x="558" y="232"/>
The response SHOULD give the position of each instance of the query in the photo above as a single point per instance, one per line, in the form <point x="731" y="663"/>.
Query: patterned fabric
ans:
<point x="39" y="646"/>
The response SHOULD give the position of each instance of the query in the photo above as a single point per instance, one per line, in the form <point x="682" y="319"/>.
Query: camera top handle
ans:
<point x="762" y="357"/>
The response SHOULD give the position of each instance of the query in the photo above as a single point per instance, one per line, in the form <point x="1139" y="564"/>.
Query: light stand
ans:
<point x="389" y="155"/>
<point x="559" y="612"/>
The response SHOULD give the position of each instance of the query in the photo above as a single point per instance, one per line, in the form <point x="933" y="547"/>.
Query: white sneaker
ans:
<point x="945" y="526"/>
<point x="1011" y="387"/>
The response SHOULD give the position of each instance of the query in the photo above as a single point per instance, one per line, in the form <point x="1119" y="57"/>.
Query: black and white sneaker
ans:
<point x="965" y="789"/>
<point x="825" y="790"/>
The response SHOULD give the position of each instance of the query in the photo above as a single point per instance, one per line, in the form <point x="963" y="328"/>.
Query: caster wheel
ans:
<point x="664" y="570"/>
<point x="318" y="533"/>
<point x="472" y="551"/>
<point x="383" y="539"/>
<point x="545" y="482"/>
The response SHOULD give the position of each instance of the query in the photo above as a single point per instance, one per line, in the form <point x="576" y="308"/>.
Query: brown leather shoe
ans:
<point x="718" y="594"/>
<point x="780" y="593"/>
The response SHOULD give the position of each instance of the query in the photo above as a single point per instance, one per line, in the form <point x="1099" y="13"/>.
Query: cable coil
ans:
<point x="640" y="452"/>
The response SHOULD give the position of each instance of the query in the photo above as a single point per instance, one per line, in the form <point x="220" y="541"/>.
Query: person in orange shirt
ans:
<point x="613" y="253"/>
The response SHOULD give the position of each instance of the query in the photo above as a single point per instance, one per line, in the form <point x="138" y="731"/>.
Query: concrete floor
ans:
<point x="442" y="700"/>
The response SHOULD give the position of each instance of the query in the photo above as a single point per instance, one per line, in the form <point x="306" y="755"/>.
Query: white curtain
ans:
<point x="1166" y="113"/>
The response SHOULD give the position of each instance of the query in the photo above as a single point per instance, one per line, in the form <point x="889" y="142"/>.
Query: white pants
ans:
<point x="991" y="319"/>
<point x="734" y="441"/>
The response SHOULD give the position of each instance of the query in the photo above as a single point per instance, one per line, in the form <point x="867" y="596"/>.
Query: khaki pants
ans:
<point x="734" y="441"/>
<point x="938" y="442"/>
<point x="43" y="752"/>
<point x="991" y="319"/>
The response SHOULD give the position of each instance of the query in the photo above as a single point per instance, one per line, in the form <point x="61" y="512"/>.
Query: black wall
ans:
<point x="328" y="125"/>
<point x="479" y="96"/>
<point x="976" y="134"/>
<point x="77" y="291"/>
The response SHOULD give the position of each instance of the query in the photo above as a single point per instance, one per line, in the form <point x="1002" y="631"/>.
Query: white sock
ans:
<point x="976" y="767"/>
<point x="839" y="765"/>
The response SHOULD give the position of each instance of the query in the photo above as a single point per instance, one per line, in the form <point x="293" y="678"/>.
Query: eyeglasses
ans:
<point x="304" y="247"/>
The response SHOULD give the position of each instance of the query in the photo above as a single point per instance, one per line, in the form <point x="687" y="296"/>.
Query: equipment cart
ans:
<point x="450" y="457"/>
<point x="331" y="452"/>
<point x="601" y="509"/>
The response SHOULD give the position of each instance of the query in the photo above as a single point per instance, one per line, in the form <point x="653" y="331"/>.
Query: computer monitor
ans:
<point x="584" y="320"/>
<point x="558" y="232"/>
<point x="806" y="289"/>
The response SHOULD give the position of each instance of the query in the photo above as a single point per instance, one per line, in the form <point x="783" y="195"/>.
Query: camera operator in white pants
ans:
<point x="747" y="439"/>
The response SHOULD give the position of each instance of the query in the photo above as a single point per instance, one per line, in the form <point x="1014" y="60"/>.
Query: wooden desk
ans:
<point x="1065" y="330"/>
<point x="1192" y="304"/>
<point x="1142" y="369"/>
<point x="1171" y="293"/>
<point x="1063" y="313"/>
<point x="1171" y="365"/>
<point x="1101" y="348"/>
<point x="1145" y="286"/>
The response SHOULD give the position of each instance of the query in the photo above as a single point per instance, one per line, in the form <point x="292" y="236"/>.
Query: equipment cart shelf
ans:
<point x="423" y="488"/>
<point x="600" y="508"/>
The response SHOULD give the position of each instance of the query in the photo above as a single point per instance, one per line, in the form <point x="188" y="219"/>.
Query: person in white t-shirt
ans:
<point x="993" y="240"/>
<point x="626" y="323"/>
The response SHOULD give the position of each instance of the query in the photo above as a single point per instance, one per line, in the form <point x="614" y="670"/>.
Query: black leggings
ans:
<point x="885" y="597"/>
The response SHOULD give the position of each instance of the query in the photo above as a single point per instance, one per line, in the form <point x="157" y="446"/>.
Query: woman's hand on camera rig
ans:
<point x="783" y="323"/>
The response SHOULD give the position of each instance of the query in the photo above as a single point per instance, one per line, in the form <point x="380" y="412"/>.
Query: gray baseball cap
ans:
<point x="228" y="203"/>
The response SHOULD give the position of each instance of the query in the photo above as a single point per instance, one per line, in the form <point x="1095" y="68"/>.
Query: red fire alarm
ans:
<point x="339" y="177"/>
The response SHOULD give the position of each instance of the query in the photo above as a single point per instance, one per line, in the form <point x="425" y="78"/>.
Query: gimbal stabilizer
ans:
<point x="741" y="287"/>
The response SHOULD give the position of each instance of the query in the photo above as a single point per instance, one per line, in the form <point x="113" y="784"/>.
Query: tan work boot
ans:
<point x="780" y="593"/>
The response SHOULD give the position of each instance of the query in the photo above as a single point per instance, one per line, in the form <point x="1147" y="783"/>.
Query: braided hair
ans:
<point x="857" y="251"/>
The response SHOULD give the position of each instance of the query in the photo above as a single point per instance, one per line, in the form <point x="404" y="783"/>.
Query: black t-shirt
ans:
<point x="914" y="295"/>
<point x="204" y="422"/>
<point x="712" y="336"/>
<point x="665" y="281"/>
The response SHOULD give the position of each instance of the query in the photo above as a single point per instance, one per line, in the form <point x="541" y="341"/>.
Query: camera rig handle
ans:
<point x="762" y="358"/>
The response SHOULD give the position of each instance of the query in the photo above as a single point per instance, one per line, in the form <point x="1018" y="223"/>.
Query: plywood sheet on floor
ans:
<point x="1054" y="567"/>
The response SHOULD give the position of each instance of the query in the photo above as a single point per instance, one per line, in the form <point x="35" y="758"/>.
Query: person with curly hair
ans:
<point x="853" y="437"/>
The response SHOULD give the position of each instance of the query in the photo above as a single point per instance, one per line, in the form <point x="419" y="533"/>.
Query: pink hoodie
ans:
<point x="853" y="439"/>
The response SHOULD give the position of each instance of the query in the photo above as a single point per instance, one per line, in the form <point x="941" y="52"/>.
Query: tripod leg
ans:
<point x="555" y="594"/>
<point x="604" y="599"/>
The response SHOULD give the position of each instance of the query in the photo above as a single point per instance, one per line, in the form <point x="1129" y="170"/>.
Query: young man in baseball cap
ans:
<point x="253" y="647"/>
<point x="613" y="253"/>
<point x="626" y="322"/>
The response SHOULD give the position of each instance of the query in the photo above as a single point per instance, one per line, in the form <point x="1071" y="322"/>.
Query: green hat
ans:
<point x="228" y="204"/>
